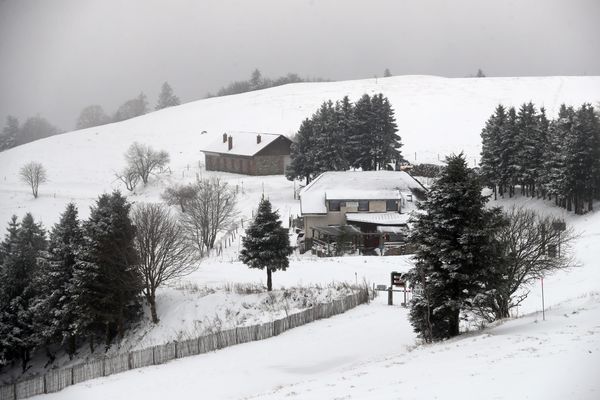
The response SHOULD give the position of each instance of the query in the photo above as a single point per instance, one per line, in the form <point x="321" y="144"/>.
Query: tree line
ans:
<point x="34" y="128"/>
<point x="476" y="261"/>
<point x="85" y="281"/>
<point x="557" y="159"/>
<point x="257" y="82"/>
<point x="344" y="135"/>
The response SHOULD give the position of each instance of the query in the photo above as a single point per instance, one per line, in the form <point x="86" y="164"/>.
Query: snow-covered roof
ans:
<point x="387" y="218"/>
<point x="357" y="194"/>
<point x="354" y="185"/>
<point x="243" y="143"/>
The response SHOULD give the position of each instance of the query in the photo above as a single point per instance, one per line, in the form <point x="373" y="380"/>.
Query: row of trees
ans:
<point x="557" y="159"/>
<point x="471" y="259"/>
<point x="257" y="82"/>
<point x="94" y="115"/>
<point x="85" y="281"/>
<point x="34" y="128"/>
<point x="344" y="135"/>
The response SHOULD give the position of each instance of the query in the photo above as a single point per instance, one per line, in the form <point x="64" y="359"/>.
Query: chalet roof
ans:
<point x="354" y="185"/>
<point x="244" y="143"/>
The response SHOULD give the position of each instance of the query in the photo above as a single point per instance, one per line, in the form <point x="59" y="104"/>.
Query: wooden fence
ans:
<point x="58" y="379"/>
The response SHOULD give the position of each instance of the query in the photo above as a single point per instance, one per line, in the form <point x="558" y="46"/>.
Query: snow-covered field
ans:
<point x="368" y="352"/>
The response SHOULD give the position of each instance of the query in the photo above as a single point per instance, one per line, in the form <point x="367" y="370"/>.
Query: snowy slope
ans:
<point x="435" y="116"/>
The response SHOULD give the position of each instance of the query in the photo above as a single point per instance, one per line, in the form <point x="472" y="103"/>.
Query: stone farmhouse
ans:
<point x="249" y="153"/>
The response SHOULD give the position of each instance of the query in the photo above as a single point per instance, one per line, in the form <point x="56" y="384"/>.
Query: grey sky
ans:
<point x="57" y="56"/>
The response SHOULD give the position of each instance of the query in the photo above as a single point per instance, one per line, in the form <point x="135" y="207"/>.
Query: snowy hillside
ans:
<point x="435" y="116"/>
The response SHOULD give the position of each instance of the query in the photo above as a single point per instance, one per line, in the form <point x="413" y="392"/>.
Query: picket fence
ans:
<point x="58" y="379"/>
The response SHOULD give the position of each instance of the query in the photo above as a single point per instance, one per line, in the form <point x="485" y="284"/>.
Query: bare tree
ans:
<point x="33" y="174"/>
<point x="531" y="247"/>
<point x="180" y="195"/>
<point x="129" y="177"/>
<point x="163" y="250"/>
<point x="145" y="161"/>
<point x="211" y="211"/>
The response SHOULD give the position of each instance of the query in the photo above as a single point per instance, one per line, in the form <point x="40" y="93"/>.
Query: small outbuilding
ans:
<point x="249" y="153"/>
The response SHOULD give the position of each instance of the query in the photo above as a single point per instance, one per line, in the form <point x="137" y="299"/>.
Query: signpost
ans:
<point x="397" y="279"/>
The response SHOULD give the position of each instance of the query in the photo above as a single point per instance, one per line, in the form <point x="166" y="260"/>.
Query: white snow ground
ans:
<point x="364" y="353"/>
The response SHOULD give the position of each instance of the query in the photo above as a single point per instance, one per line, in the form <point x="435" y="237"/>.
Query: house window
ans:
<point x="334" y="205"/>
<point x="363" y="205"/>
<point x="391" y="205"/>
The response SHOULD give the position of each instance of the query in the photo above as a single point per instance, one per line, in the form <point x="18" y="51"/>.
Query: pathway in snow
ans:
<point x="367" y="333"/>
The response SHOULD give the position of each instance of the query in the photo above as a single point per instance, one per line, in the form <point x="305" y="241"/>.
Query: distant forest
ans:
<point x="257" y="82"/>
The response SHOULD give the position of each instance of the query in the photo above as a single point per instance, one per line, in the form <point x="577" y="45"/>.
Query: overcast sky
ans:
<point x="57" y="56"/>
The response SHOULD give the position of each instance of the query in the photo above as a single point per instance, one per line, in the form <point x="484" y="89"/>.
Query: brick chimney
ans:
<point x="225" y="138"/>
<point x="230" y="143"/>
<point x="258" y="138"/>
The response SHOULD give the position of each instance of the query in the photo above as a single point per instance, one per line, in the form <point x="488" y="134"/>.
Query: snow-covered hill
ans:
<point x="435" y="116"/>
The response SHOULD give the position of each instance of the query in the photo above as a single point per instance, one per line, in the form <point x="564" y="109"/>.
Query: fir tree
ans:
<point x="107" y="285"/>
<point x="23" y="251"/>
<point x="266" y="244"/>
<point x="361" y="139"/>
<point x="491" y="149"/>
<point x="454" y="245"/>
<point x="57" y="306"/>
<point x="302" y="154"/>
<point x="167" y="98"/>
<point x="9" y="133"/>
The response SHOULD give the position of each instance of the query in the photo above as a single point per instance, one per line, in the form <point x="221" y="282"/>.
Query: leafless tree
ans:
<point x="145" y="161"/>
<point x="211" y="211"/>
<point x="129" y="177"/>
<point x="180" y="195"/>
<point x="163" y="250"/>
<point x="532" y="246"/>
<point x="33" y="174"/>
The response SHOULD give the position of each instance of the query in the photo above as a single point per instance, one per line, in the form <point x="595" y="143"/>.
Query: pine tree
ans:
<point x="361" y="139"/>
<point x="491" y="149"/>
<point x="266" y="244"/>
<point x="57" y="306"/>
<point x="9" y="133"/>
<point x="167" y="98"/>
<point x="554" y="178"/>
<point x="22" y="252"/>
<point x="328" y="150"/>
<point x="454" y="245"/>
<point x="387" y="73"/>
<point x="107" y="285"/>
<point x="302" y="154"/>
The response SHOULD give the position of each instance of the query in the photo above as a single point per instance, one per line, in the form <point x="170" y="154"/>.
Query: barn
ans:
<point x="249" y="153"/>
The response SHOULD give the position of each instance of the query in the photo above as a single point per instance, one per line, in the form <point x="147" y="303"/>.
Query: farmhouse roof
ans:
<point x="243" y="143"/>
<point x="354" y="185"/>
<point x="379" y="218"/>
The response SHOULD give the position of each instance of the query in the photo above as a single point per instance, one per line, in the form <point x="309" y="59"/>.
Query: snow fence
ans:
<point x="57" y="379"/>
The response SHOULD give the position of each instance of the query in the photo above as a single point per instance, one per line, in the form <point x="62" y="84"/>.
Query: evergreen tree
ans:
<point x="106" y="283"/>
<point x="491" y="149"/>
<point x="132" y="108"/>
<point x="57" y="306"/>
<point x="35" y="128"/>
<point x="361" y="139"/>
<point x="454" y="246"/>
<point x="9" y="133"/>
<point x="328" y="148"/>
<point x="387" y="73"/>
<point x="22" y="252"/>
<point x="303" y="159"/>
<point x="167" y="98"/>
<point x="256" y="80"/>
<point x="509" y="154"/>
<point x="266" y="244"/>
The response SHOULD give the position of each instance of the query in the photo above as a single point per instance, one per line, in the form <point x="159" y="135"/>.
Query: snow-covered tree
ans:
<point x="302" y="154"/>
<point x="145" y="161"/>
<point x="9" y="133"/>
<point x="56" y="308"/>
<point x="387" y="73"/>
<point x="33" y="174"/>
<point x="167" y="98"/>
<point x="22" y="253"/>
<point x="106" y="282"/>
<point x="455" y="247"/>
<point x="266" y="244"/>
<point x="35" y="128"/>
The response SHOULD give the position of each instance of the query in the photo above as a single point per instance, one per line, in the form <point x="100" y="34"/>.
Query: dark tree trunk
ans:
<point x="24" y="359"/>
<point x="453" y="323"/>
<point x="152" y="303"/>
<point x="269" y="281"/>
<point x="71" y="346"/>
